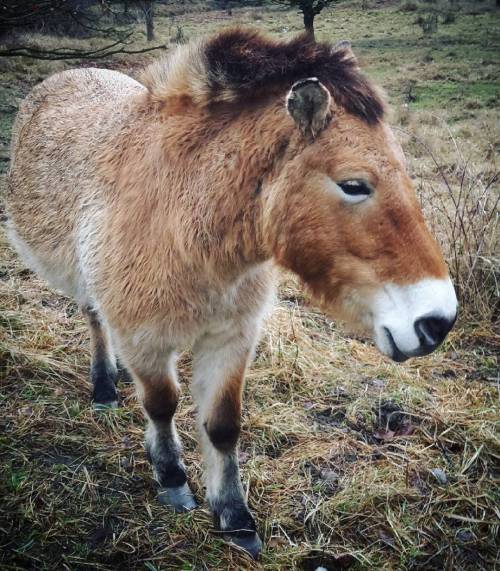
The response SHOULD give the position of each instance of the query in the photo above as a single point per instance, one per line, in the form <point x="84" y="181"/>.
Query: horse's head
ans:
<point x="344" y="216"/>
<point x="338" y="206"/>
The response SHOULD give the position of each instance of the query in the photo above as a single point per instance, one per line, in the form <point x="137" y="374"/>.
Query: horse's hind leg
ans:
<point x="218" y="372"/>
<point x="103" y="369"/>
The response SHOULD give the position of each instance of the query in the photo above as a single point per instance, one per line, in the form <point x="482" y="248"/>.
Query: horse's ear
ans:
<point x="344" y="47"/>
<point x="308" y="103"/>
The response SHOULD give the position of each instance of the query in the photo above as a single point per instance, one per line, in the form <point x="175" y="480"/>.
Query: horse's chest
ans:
<point x="217" y="310"/>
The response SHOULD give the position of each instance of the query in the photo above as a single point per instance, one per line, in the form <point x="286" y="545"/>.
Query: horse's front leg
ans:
<point x="154" y="373"/>
<point x="218" y="375"/>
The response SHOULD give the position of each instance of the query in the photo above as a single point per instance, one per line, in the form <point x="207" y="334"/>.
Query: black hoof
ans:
<point x="180" y="498"/>
<point x="249" y="542"/>
<point x="104" y="406"/>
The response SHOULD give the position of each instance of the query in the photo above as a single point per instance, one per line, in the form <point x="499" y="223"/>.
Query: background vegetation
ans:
<point x="349" y="461"/>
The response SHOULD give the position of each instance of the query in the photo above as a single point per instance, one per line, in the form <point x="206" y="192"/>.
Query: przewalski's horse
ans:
<point x="162" y="207"/>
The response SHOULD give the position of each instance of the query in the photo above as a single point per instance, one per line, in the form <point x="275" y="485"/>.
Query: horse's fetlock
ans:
<point x="169" y="474"/>
<point x="103" y="376"/>
<point x="164" y="456"/>
<point x="236" y="519"/>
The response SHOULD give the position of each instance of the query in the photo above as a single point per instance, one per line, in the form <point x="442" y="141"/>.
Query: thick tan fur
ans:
<point x="178" y="216"/>
<point x="166" y="206"/>
<point x="167" y="219"/>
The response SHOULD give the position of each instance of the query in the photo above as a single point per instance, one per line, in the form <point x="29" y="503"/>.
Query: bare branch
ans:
<point x="58" y="54"/>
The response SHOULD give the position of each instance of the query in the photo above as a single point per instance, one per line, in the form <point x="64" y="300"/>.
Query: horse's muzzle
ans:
<point x="431" y="332"/>
<point x="413" y="320"/>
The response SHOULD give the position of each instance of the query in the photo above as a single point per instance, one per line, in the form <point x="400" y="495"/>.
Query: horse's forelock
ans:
<point x="241" y="63"/>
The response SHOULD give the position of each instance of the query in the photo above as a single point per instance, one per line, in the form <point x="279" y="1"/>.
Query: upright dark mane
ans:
<point x="239" y="63"/>
<point x="244" y="60"/>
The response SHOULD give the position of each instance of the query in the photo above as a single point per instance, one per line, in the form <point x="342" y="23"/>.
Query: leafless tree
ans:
<point x="86" y="17"/>
<point x="310" y="9"/>
<point x="147" y="8"/>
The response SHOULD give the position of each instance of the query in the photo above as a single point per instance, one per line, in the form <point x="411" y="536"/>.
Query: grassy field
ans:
<point x="349" y="461"/>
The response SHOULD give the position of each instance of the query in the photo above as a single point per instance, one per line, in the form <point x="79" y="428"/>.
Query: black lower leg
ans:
<point x="231" y="514"/>
<point x="225" y="494"/>
<point x="163" y="454"/>
<point x="103" y="371"/>
<point x="103" y="378"/>
<point x="162" y="444"/>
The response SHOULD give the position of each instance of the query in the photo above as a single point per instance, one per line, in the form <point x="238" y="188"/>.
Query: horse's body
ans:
<point x="99" y="170"/>
<point x="163" y="207"/>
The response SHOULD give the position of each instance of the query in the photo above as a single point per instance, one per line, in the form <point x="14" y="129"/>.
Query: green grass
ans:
<point x="435" y="94"/>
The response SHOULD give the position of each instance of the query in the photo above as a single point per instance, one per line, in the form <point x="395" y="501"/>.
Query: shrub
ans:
<point x="463" y="210"/>
<point x="179" y="37"/>
<point x="409" y="6"/>
<point x="428" y="23"/>
<point x="448" y="17"/>
<point x="409" y="90"/>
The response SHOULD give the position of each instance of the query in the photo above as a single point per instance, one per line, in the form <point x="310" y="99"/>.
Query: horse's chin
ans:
<point x="351" y="308"/>
<point x="352" y="321"/>
<point x="389" y="347"/>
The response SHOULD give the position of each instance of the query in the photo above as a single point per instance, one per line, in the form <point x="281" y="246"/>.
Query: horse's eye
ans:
<point x="351" y="191"/>
<point x="357" y="188"/>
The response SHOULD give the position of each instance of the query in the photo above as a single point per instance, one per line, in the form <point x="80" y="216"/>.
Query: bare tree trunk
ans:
<point x="147" y="7"/>
<point x="309" y="14"/>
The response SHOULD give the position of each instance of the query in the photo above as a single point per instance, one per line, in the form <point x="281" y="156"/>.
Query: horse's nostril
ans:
<point x="431" y="331"/>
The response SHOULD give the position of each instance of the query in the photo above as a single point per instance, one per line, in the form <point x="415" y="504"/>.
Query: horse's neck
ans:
<point x="220" y="166"/>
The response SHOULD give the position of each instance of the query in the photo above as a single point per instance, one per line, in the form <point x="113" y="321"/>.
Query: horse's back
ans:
<point x="60" y="131"/>
<point x="67" y="106"/>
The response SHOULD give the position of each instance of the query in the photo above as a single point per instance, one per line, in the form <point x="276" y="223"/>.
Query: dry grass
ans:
<point x="344" y="455"/>
<point x="460" y="196"/>
<point x="349" y="461"/>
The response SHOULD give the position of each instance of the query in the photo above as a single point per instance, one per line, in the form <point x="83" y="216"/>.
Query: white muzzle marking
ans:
<point x="413" y="320"/>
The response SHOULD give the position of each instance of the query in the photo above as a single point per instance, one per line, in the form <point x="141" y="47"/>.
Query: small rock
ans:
<point x="25" y="411"/>
<point x="126" y="442"/>
<point x="464" y="536"/>
<point x="329" y="475"/>
<point x="440" y="476"/>
<point x="243" y="456"/>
